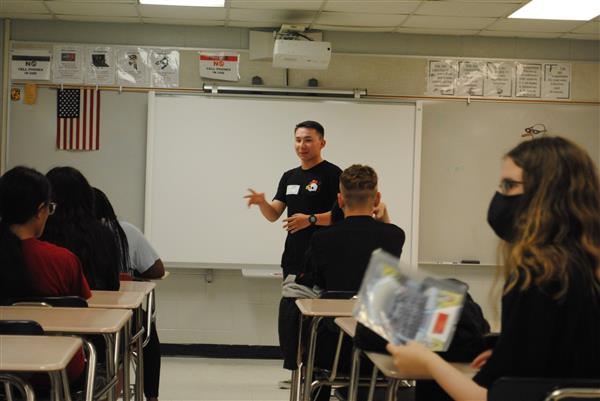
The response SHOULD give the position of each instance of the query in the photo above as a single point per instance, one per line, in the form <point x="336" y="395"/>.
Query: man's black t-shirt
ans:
<point x="309" y="191"/>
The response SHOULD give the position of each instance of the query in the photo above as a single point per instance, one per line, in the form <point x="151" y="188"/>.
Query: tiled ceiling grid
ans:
<point x="438" y="17"/>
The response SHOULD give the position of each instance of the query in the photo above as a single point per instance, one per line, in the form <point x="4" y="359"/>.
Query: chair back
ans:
<point x="543" y="389"/>
<point x="59" y="302"/>
<point x="21" y="328"/>
<point x="337" y="294"/>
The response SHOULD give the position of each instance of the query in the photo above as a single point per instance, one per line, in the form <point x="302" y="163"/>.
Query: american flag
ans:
<point x="78" y="119"/>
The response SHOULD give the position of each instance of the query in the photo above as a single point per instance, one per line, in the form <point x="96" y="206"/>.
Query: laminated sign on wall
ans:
<point x="67" y="65"/>
<point x="30" y="64"/>
<point x="221" y="66"/>
<point x="132" y="67"/>
<point x="165" y="68"/>
<point x="100" y="66"/>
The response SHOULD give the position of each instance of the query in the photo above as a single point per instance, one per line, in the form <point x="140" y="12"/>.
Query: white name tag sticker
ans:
<point x="292" y="190"/>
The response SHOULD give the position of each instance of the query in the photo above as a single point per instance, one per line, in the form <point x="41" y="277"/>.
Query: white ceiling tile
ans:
<point x="592" y="27"/>
<point x="96" y="1"/>
<point x="279" y="16"/>
<point x="182" y="21"/>
<point x="203" y="13"/>
<point x="466" y="8"/>
<point x="517" y="34"/>
<point x="581" y="36"/>
<point x="348" y="19"/>
<point x="22" y="7"/>
<point x="254" y="24"/>
<point x="354" y="28"/>
<point x="103" y="9"/>
<point x="430" y="31"/>
<point x="372" y="6"/>
<point x="311" y="5"/>
<point x="420" y="21"/>
<point x="532" y="25"/>
<point x="26" y="16"/>
<point x="88" y="18"/>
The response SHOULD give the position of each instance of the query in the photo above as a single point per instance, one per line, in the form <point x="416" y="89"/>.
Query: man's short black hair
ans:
<point x="311" y="124"/>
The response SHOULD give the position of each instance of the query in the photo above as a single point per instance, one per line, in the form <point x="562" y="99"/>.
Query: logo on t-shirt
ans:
<point x="313" y="186"/>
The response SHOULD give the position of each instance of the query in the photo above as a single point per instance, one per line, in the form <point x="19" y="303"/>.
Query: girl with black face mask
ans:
<point x="547" y="212"/>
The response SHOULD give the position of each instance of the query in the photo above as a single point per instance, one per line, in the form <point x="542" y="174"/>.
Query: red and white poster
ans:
<point x="220" y="66"/>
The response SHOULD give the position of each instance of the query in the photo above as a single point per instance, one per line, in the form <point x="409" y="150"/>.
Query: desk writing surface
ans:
<point x="70" y="320"/>
<point x="326" y="307"/>
<point x="347" y="324"/>
<point x="138" y="286"/>
<point x="116" y="299"/>
<point x="385" y="364"/>
<point x="36" y="353"/>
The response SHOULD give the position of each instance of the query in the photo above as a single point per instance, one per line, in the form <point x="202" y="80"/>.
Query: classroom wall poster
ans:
<point x="30" y="64"/>
<point x="442" y="75"/>
<point x="164" y="64"/>
<point x="221" y="66"/>
<point x="67" y="64"/>
<point x="529" y="80"/>
<point x="470" y="78"/>
<point x="100" y="66"/>
<point x="556" y="83"/>
<point x="132" y="67"/>
<point x="499" y="79"/>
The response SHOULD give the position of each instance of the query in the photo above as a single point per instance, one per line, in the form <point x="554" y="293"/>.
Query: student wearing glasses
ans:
<point x="30" y="267"/>
<point x="547" y="212"/>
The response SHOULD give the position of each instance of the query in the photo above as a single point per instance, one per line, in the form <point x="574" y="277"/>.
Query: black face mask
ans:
<point x="502" y="214"/>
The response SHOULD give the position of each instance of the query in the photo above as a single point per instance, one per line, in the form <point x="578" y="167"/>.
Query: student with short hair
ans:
<point x="75" y="227"/>
<point x="30" y="267"/>
<point x="547" y="212"/>
<point x="137" y="255"/>
<point x="338" y="256"/>
<point x="308" y="192"/>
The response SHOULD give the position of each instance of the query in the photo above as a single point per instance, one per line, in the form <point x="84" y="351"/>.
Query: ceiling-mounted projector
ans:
<point x="293" y="49"/>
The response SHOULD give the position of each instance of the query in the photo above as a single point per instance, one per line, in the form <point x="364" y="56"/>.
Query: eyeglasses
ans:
<point x="51" y="208"/>
<point x="535" y="129"/>
<point x="507" y="184"/>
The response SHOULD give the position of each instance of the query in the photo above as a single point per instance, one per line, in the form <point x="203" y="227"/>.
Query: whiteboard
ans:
<point x="462" y="150"/>
<point x="203" y="152"/>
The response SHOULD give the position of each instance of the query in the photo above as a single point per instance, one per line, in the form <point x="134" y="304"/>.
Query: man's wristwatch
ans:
<point x="312" y="219"/>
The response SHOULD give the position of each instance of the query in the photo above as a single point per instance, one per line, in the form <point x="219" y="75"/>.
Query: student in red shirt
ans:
<point x="30" y="267"/>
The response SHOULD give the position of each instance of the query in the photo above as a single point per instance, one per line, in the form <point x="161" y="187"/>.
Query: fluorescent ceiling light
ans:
<point x="571" y="10"/>
<point x="192" y="3"/>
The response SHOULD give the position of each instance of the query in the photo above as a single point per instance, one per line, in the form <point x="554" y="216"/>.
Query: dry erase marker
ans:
<point x="470" y="261"/>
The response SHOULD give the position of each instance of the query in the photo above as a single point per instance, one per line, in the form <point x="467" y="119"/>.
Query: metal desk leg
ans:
<point x="139" y="374"/>
<point x="372" y="384"/>
<point x="65" y="385"/>
<point x="55" y="386"/>
<point x="126" y="360"/>
<point x="390" y="394"/>
<point x="310" y="361"/>
<point x="90" y="371"/>
<point x="110" y="365"/>
<point x="354" y="375"/>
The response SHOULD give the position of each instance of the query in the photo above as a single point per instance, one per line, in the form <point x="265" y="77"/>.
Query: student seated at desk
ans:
<point x="75" y="227"/>
<point x="31" y="267"/>
<point x="137" y="256"/>
<point x="547" y="212"/>
<point x="337" y="257"/>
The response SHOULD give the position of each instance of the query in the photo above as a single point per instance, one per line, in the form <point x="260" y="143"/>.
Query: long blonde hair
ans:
<point x="558" y="224"/>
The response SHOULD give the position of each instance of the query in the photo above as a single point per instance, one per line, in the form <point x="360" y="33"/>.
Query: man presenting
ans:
<point x="308" y="192"/>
